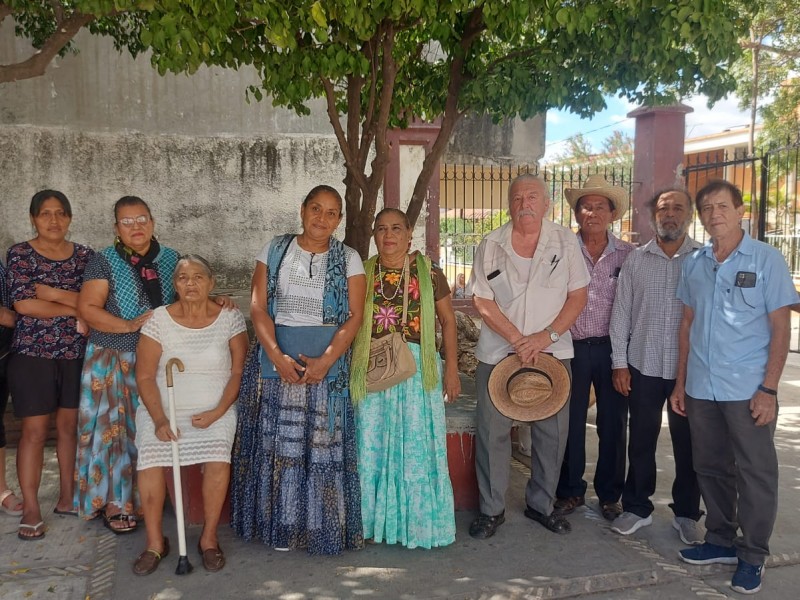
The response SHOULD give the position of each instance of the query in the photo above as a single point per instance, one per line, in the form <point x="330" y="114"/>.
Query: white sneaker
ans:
<point x="628" y="523"/>
<point x="689" y="530"/>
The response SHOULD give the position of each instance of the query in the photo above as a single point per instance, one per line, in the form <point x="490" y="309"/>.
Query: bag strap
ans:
<point x="406" y="277"/>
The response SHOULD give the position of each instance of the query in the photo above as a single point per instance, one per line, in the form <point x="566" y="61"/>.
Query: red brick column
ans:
<point x="658" y="153"/>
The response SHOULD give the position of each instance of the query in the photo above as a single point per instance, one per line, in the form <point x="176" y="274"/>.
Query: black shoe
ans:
<point x="484" y="526"/>
<point x="552" y="522"/>
<point x="610" y="510"/>
<point x="566" y="506"/>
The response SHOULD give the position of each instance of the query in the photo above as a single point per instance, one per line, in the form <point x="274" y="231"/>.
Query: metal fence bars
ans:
<point x="473" y="200"/>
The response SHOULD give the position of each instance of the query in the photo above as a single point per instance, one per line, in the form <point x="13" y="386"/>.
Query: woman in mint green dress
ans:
<point x="406" y="494"/>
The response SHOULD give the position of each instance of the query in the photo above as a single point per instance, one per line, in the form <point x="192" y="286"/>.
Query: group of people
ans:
<point x="704" y="327"/>
<point x="317" y="460"/>
<point x="314" y="460"/>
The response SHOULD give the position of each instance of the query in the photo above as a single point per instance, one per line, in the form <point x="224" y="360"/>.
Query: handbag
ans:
<point x="311" y="341"/>
<point x="390" y="359"/>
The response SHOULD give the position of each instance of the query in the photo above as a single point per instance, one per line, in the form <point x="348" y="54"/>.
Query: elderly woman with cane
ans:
<point x="212" y="344"/>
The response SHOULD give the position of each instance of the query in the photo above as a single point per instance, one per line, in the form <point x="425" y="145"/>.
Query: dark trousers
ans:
<point x="737" y="467"/>
<point x="646" y="402"/>
<point x="592" y="366"/>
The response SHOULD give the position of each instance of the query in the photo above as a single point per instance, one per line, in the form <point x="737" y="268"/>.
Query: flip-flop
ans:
<point x="119" y="518"/>
<point x="9" y="511"/>
<point x="39" y="527"/>
<point x="65" y="513"/>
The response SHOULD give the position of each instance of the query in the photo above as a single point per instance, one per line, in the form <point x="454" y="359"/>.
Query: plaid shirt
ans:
<point x="596" y="316"/>
<point x="647" y="313"/>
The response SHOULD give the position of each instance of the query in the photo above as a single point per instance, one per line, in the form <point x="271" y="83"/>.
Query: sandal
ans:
<point x="148" y="561"/>
<point x="119" y="523"/>
<point x="38" y="531"/>
<point x="213" y="558"/>
<point x="14" y="512"/>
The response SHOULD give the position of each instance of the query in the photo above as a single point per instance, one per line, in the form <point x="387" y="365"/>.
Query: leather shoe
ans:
<point x="485" y="526"/>
<point x="552" y="522"/>
<point x="610" y="510"/>
<point x="565" y="506"/>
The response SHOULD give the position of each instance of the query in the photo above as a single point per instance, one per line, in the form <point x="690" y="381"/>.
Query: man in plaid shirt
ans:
<point x="596" y="206"/>
<point x="644" y="335"/>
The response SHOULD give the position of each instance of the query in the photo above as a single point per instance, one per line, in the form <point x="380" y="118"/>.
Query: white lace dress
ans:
<point x="206" y="356"/>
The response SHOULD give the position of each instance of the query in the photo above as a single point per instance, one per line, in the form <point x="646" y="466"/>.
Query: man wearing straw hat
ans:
<point x="644" y="337"/>
<point x="529" y="285"/>
<point x="596" y="205"/>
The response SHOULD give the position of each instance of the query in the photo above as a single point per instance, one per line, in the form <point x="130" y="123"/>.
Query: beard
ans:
<point x="670" y="232"/>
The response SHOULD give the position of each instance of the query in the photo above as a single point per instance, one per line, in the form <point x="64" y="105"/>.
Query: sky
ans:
<point x="561" y="125"/>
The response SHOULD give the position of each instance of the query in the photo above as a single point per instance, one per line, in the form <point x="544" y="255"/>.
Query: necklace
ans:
<point x="381" y="280"/>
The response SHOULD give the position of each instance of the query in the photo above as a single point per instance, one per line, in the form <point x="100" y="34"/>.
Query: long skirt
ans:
<point x="105" y="465"/>
<point x="294" y="481"/>
<point x="406" y="494"/>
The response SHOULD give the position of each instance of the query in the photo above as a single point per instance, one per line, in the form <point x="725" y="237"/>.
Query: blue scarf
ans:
<point x="128" y="289"/>
<point x="335" y="311"/>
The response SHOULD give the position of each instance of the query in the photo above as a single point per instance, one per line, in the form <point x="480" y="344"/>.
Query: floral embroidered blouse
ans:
<point x="387" y="300"/>
<point x="56" y="337"/>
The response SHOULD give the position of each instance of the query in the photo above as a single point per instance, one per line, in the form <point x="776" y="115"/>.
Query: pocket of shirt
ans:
<point x="502" y="289"/>
<point x="749" y="298"/>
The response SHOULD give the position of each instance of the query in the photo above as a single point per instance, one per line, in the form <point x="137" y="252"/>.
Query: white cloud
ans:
<point x="725" y="114"/>
<point x="554" y="117"/>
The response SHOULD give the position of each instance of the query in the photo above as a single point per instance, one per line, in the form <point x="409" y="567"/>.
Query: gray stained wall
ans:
<point x="221" y="175"/>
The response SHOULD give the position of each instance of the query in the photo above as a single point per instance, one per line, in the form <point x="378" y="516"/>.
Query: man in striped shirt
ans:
<point x="596" y="205"/>
<point x="644" y="335"/>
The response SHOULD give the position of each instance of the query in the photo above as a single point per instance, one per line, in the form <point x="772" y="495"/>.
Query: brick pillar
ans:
<point x="658" y="153"/>
<point x="418" y="133"/>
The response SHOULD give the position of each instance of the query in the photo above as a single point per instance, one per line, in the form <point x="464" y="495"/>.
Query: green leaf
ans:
<point x="318" y="14"/>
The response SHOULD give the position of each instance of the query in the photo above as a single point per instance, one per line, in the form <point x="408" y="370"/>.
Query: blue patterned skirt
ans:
<point x="105" y="466"/>
<point x="406" y="494"/>
<point x="294" y="482"/>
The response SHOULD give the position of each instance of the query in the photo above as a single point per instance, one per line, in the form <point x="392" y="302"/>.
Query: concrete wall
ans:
<point x="222" y="176"/>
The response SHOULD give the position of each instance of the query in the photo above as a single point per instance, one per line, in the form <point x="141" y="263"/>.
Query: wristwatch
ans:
<point x="554" y="337"/>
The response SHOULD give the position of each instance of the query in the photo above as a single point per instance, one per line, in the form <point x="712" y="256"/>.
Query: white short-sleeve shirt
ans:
<point x="301" y="283"/>
<point x="531" y="298"/>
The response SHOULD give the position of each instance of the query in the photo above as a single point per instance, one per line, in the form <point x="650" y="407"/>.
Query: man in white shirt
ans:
<point x="529" y="284"/>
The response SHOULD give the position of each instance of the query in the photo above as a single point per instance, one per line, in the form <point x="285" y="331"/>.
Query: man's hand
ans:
<point x="621" y="379"/>
<point x="529" y="346"/>
<point x="678" y="400"/>
<point x="763" y="408"/>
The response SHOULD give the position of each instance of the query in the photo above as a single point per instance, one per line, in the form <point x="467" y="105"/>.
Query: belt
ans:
<point x="594" y="341"/>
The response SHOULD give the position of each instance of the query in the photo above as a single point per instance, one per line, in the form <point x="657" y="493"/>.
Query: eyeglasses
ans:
<point x="130" y="221"/>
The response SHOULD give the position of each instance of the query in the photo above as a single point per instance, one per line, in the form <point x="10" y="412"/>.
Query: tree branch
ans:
<point x="333" y="117"/>
<point x="37" y="64"/>
<point x="381" y="123"/>
<point x="5" y="10"/>
<point x="753" y="45"/>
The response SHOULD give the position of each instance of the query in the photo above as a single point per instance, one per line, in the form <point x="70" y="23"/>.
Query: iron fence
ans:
<point x="473" y="200"/>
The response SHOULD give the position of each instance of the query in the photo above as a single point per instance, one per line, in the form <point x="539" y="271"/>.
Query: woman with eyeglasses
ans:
<point x="122" y="285"/>
<point x="295" y="479"/>
<point x="44" y="278"/>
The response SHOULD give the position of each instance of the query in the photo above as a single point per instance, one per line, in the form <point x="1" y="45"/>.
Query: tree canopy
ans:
<point x="766" y="73"/>
<point x="51" y="25"/>
<point x="380" y="63"/>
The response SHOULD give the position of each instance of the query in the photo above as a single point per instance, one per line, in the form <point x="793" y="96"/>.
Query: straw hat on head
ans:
<point x="529" y="393"/>
<point x="596" y="185"/>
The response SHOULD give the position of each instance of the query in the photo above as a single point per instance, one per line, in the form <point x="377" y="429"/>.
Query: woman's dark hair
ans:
<point x="317" y="190"/>
<point x="719" y="185"/>
<point x="396" y="211"/>
<point x="39" y="198"/>
<point x="130" y="201"/>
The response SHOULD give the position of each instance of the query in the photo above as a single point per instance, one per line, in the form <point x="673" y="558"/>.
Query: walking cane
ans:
<point x="184" y="567"/>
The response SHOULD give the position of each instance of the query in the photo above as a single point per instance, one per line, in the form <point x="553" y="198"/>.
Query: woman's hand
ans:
<point x="46" y="292"/>
<point x="224" y="301"/>
<point x="136" y="323"/>
<point x="81" y="327"/>
<point x="164" y="431"/>
<point x="288" y="369"/>
<point x="451" y="385"/>
<point x="205" y="419"/>
<point x="316" y="369"/>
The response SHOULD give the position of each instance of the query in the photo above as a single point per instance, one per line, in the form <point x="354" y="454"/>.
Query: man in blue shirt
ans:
<point x="734" y="338"/>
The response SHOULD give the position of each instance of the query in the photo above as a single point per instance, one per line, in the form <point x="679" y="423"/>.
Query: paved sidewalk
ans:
<point x="83" y="560"/>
